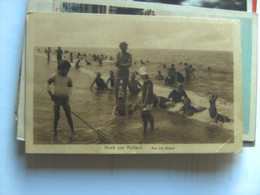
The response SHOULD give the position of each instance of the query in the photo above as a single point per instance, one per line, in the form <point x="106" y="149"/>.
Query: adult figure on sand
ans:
<point x="49" y="54"/>
<point x="188" y="72"/>
<point x="172" y="70"/>
<point x="179" y="77"/>
<point x="169" y="79"/>
<point x="147" y="101"/>
<point x="59" y="55"/>
<point x="71" y="57"/>
<point x="77" y="66"/>
<point x="123" y="62"/>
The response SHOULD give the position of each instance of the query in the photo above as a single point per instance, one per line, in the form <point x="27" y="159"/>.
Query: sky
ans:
<point x="145" y="32"/>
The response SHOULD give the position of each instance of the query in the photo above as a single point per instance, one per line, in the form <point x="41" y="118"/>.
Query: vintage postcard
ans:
<point x="248" y="25"/>
<point x="108" y="84"/>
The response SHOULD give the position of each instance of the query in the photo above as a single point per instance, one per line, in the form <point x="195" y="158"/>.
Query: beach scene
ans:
<point x="92" y="109"/>
<point x="184" y="70"/>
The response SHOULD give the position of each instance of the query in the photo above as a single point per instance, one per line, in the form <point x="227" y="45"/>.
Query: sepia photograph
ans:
<point x="249" y="57"/>
<point x="121" y="84"/>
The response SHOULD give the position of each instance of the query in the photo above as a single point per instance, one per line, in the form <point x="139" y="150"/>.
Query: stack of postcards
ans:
<point x="128" y="77"/>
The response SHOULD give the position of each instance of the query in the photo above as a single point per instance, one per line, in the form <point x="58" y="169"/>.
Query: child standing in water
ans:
<point x="59" y="55"/>
<point x="62" y="88"/>
<point x="111" y="79"/>
<point x="147" y="101"/>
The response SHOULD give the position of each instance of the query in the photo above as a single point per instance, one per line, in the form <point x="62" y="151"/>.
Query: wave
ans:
<point x="199" y="100"/>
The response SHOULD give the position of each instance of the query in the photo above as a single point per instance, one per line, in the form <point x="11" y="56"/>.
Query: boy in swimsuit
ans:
<point x="62" y="88"/>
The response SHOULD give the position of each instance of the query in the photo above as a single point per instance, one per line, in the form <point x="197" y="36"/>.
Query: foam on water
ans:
<point x="199" y="100"/>
<point x="88" y="72"/>
<point x="219" y="62"/>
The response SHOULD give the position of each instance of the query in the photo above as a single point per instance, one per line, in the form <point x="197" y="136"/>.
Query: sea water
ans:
<point x="95" y="106"/>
